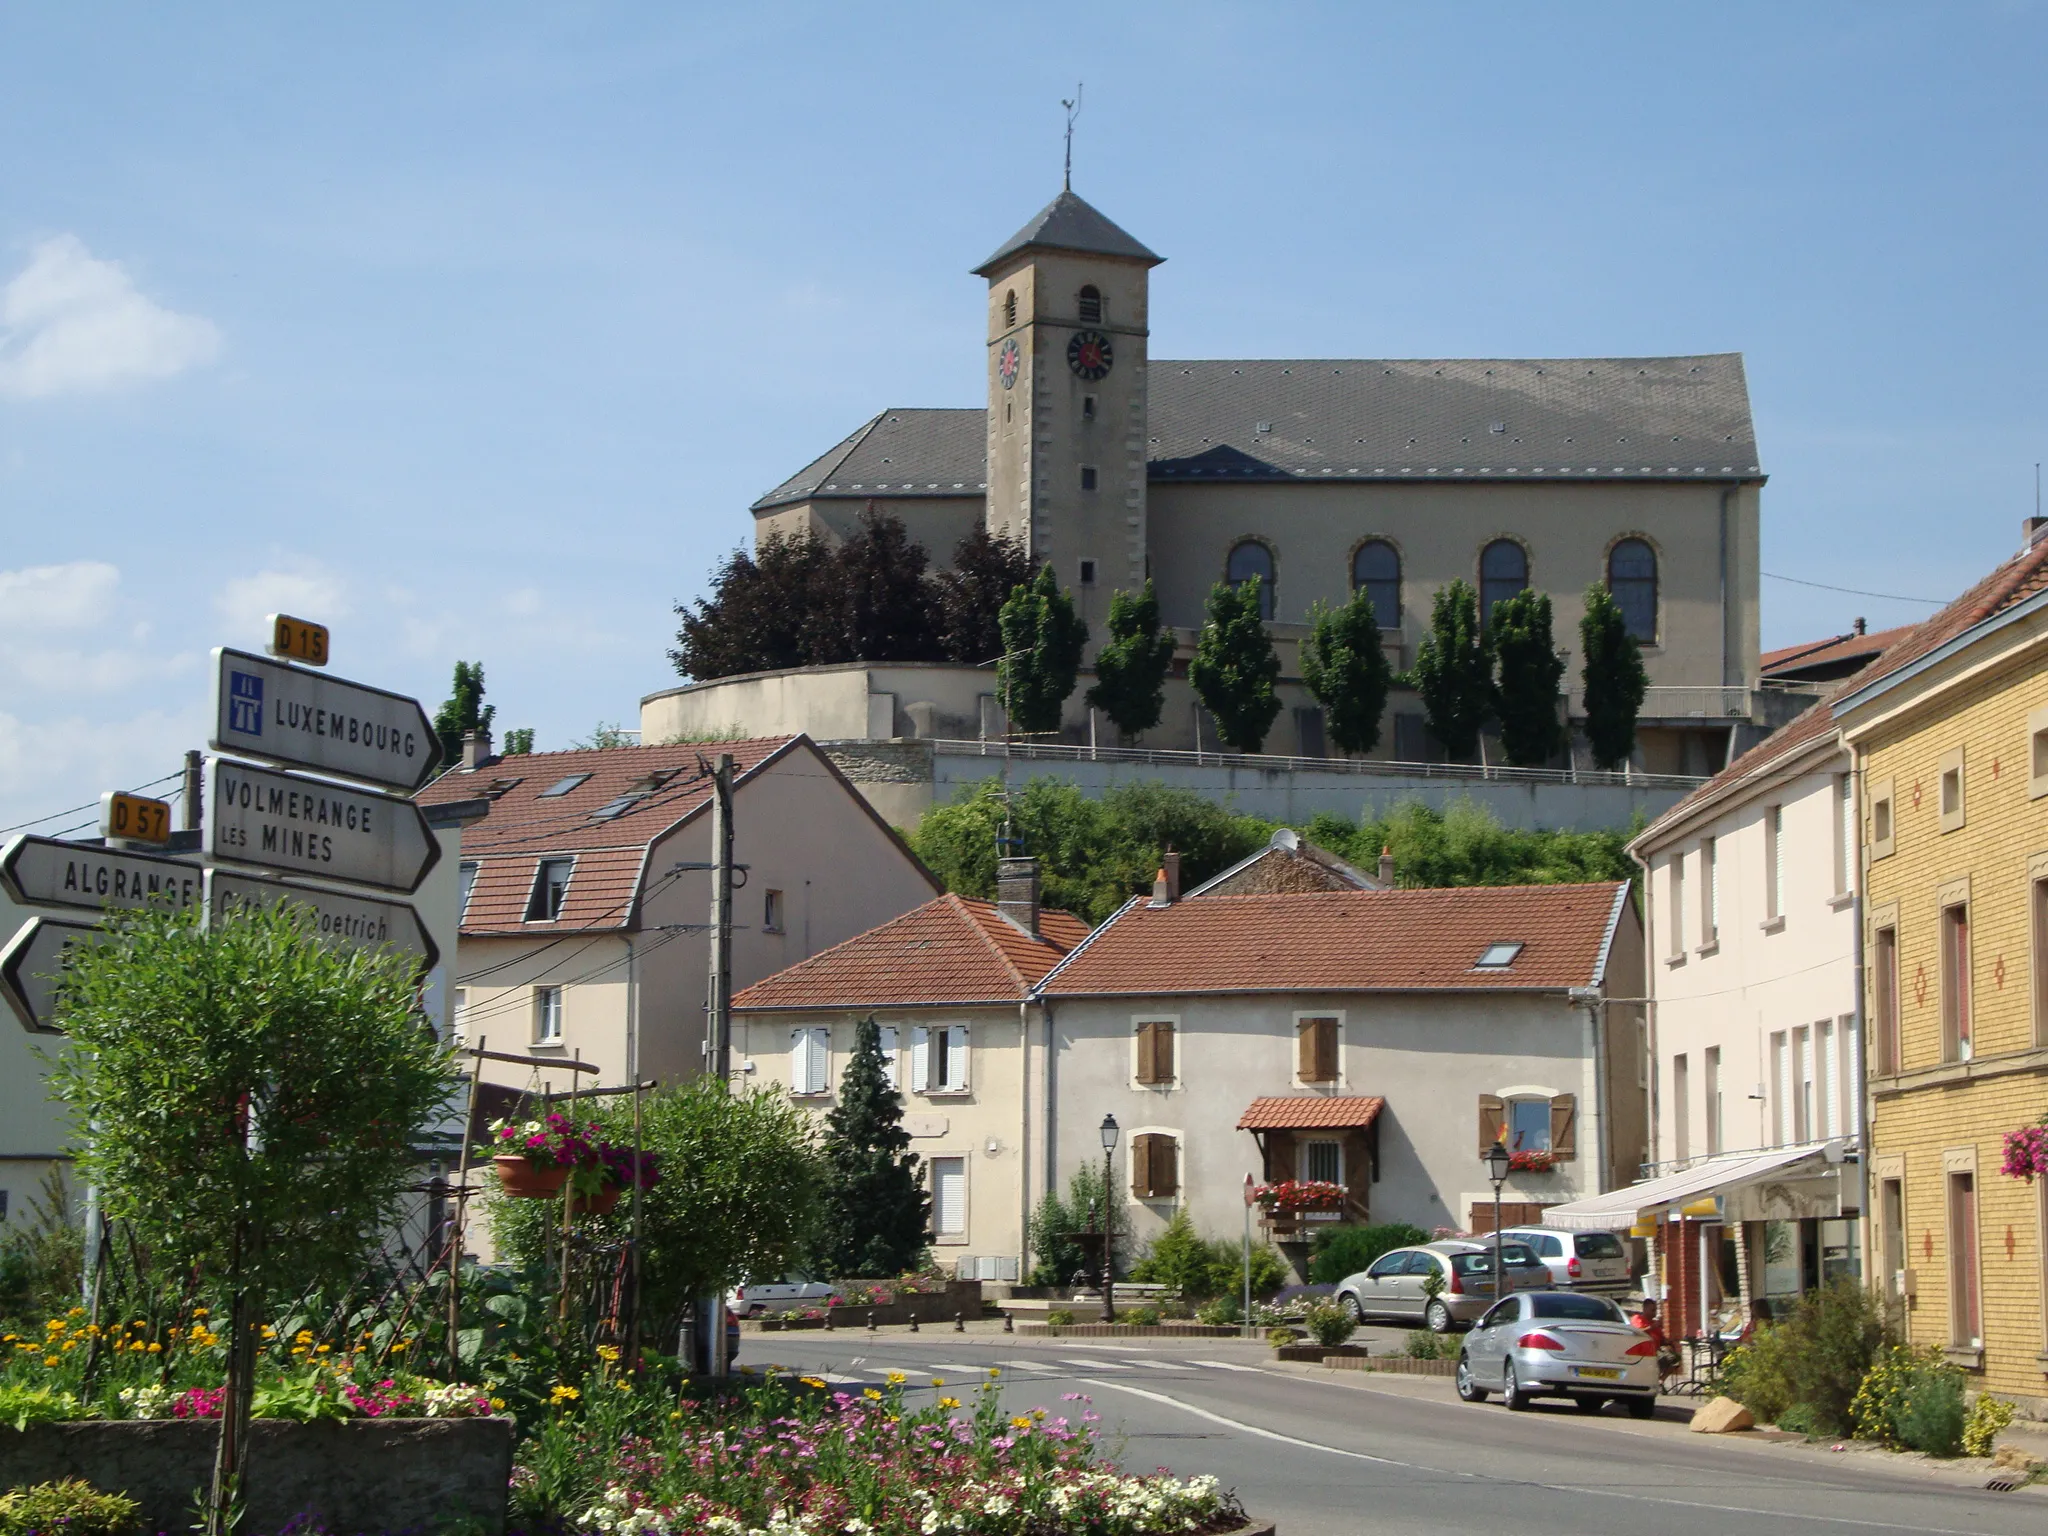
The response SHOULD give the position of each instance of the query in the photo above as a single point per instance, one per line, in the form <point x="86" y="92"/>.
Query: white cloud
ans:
<point x="307" y="592"/>
<point x="50" y="617"/>
<point x="50" y="765"/>
<point x="44" y="597"/>
<point x="71" y="323"/>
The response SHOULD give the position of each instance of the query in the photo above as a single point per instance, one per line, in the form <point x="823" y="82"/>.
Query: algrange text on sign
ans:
<point x="300" y="719"/>
<point x="302" y="826"/>
<point x="45" y="872"/>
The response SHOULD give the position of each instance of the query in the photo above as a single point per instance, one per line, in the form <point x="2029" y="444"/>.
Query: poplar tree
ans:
<point x="1131" y="667"/>
<point x="1454" y="671"/>
<point x="1235" y="666"/>
<point x="1528" y="671"/>
<point x="1042" y="643"/>
<point x="1347" y="671"/>
<point x="1613" y="678"/>
<point x="465" y="711"/>
<point x="876" y="1211"/>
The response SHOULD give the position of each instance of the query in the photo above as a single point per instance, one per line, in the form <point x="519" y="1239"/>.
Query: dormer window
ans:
<point x="1498" y="957"/>
<point x="633" y="794"/>
<point x="562" y="786"/>
<point x="1091" y="305"/>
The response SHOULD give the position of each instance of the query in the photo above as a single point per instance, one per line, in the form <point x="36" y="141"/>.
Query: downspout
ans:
<point x="632" y="1015"/>
<point x="1595" y="1028"/>
<point x="1651" y="1068"/>
<point x="1025" y="1150"/>
<point x="1866" y="1099"/>
<point x="1049" y="1099"/>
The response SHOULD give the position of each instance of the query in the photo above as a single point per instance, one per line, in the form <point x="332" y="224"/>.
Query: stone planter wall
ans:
<point x="1320" y="1352"/>
<point x="365" y="1476"/>
<point x="1131" y="1331"/>
<point x="959" y="1296"/>
<point x="1398" y="1365"/>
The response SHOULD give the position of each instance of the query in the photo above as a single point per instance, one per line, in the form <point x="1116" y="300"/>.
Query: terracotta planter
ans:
<point x="603" y="1203"/>
<point x="528" y="1181"/>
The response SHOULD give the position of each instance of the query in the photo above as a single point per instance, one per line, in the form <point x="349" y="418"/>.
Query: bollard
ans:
<point x="1009" y="1323"/>
<point x="831" y="1320"/>
<point x="960" y="1323"/>
<point x="913" y="1322"/>
<point x="871" y="1319"/>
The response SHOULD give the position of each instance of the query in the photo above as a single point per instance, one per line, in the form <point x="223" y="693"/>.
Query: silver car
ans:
<point x="1579" y="1261"/>
<point x="1394" y="1287"/>
<point x="1559" y="1344"/>
<point x="792" y="1293"/>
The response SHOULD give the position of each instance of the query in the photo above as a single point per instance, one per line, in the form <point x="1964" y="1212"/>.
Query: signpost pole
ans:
<point x="476" y="1072"/>
<point x="719" y="1003"/>
<point x="195" y="789"/>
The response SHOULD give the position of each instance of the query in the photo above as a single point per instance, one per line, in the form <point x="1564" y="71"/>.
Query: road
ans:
<point x="1336" y="1457"/>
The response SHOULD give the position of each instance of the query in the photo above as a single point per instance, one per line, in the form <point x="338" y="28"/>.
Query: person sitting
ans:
<point x="1645" y="1318"/>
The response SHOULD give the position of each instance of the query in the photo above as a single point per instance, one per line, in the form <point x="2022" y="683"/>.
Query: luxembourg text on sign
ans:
<point x="302" y="826"/>
<point x="363" y="921"/>
<point x="29" y="967"/>
<point x="263" y="708"/>
<point x="44" y="872"/>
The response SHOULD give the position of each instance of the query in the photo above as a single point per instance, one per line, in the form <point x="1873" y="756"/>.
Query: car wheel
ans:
<point x="1588" y="1404"/>
<point x="1468" y="1389"/>
<point x="1511" y="1391"/>
<point x="1351" y="1305"/>
<point x="1438" y="1317"/>
<point x="1642" y="1407"/>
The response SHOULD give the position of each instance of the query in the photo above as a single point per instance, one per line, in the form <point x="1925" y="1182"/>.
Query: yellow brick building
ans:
<point x="1949" y="732"/>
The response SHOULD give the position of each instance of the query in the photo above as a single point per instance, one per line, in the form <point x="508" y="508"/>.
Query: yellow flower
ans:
<point x="1022" y="1421"/>
<point x="201" y="1312"/>
<point x="897" y="1378"/>
<point x="323" y="1349"/>
<point x="872" y="1395"/>
<point x="76" y="1312"/>
<point x="625" y="1387"/>
<point x="156" y="1349"/>
<point x="51" y="1360"/>
<point x="949" y="1402"/>
<point x="398" y="1348"/>
<point x="938" y="1381"/>
<point x="995" y="1370"/>
<point x="55" y="1325"/>
<point x="607" y="1352"/>
<point x="563" y="1394"/>
<point x="69" y="1345"/>
<point x="812" y="1381"/>
<point x="497" y="1403"/>
<point x="1038" y="1413"/>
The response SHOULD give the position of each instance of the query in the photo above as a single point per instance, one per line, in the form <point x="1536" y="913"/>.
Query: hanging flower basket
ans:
<point x="1300" y="1195"/>
<point x="2026" y="1152"/>
<point x="526" y="1180"/>
<point x="603" y="1203"/>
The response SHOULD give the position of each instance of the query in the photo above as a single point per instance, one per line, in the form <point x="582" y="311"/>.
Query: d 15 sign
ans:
<point x="361" y="921"/>
<point x="302" y="826"/>
<point x="29" y="967"/>
<point x="44" y="872"/>
<point x="134" y="818"/>
<point x="298" y="639"/>
<point x="301" y="719"/>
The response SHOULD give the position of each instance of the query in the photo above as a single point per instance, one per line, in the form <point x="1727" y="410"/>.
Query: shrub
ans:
<point x="1911" y="1398"/>
<point x="1280" y="1336"/>
<point x="72" y="1506"/>
<point x="21" y="1406"/>
<point x="1988" y="1415"/>
<point x="1800" y="1419"/>
<point x="1343" y="1251"/>
<point x="1424" y="1345"/>
<point x="1139" y="1317"/>
<point x="1179" y="1260"/>
<point x="1816" y="1359"/>
<point x="1330" y="1322"/>
<point x="1219" y="1313"/>
<point x="1059" y="1317"/>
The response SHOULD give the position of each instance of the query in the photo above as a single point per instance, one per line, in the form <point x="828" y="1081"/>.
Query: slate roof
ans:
<point x="1068" y="223"/>
<point x="1311" y="1112"/>
<point x="954" y="950"/>
<point x="1349" y="941"/>
<point x="1230" y="422"/>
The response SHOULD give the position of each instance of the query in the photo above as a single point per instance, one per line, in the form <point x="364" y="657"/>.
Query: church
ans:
<point x="1320" y="476"/>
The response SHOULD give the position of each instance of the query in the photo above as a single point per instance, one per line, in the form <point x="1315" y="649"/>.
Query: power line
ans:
<point x="1894" y="597"/>
<point x="90" y="805"/>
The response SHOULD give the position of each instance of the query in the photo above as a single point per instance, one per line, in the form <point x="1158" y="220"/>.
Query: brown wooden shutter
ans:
<point x="1305" y="1050"/>
<point x="1141" y="1166"/>
<point x="1492" y="1120"/>
<point x="1564" y="1126"/>
<point x="1318" y="1050"/>
<point x="1163" y="1048"/>
<point x="1145" y="1053"/>
<point x="1165" y="1167"/>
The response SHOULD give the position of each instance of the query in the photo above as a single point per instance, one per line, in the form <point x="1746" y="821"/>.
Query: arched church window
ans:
<point x="1503" y="571"/>
<point x="1377" y="568"/>
<point x="1010" y="308"/>
<point x="1249" y="559"/>
<point x="1091" y="305"/>
<point x="1632" y="578"/>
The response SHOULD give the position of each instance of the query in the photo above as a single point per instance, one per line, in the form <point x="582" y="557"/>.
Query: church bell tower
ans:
<point x="1067" y="329"/>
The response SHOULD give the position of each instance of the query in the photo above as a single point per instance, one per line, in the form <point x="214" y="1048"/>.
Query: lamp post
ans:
<point x="1497" y="1171"/>
<point x="1109" y="1135"/>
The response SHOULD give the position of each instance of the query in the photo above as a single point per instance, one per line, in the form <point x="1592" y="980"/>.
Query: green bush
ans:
<point x="1424" y="1345"/>
<point x="1179" y="1260"/>
<point x="1220" y="1313"/>
<point x="1754" y="1375"/>
<point x="1800" y="1419"/>
<point x="1912" y="1399"/>
<point x="1329" y="1321"/>
<point x="1815" y="1360"/>
<point x="1279" y="1336"/>
<point x="1059" y="1317"/>
<point x="1340" y="1252"/>
<point x="1139" y="1317"/>
<point x="21" y="1406"/>
<point x="1988" y="1415"/>
<point x="76" y="1508"/>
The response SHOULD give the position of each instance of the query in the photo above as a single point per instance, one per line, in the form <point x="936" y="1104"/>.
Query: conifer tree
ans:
<point x="1454" y="671"/>
<point x="1235" y="667"/>
<point x="875" y="1209"/>
<point x="1042" y="643"/>
<point x="1613" y="678"/>
<point x="1131" y="667"/>
<point x="465" y="711"/>
<point x="1344" y="667"/>
<point x="1528" y="671"/>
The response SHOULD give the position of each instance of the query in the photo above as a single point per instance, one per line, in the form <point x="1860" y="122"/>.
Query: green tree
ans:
<point x="876" y="605"/>
<point x="1235" y="667"/>
<point x="248" y="1099"/>
<point x="760" y="612"/>
<point x="1454" y="671"/>
<point x="1058" y="1255"/>
<point x="605" y="736"/>
<point x="519" y="742"/>
<point x="1347" y="671"/>
<point x="875" y="1207"/>
<point x="1528" y="670"/>
<point x="1613" y="677"/>
<point x="1131" y="667"/>
<point x="1042" y="643"/>
<point x="465" y="711"/>
<point x="986" y="569"/>
<point x="1465" y="844"/>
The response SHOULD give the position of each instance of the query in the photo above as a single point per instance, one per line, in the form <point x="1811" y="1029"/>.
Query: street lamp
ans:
<point x="1496" y="1159"/>
<point x="1109" y="1135"/>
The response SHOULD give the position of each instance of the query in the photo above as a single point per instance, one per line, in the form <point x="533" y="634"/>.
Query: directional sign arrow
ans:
<point x="44" y="872"/>
<point x="29" y="966"/>
<point x="364" y="921"/>
<point x="305" y="827"/>
<point x="284" y="714"/>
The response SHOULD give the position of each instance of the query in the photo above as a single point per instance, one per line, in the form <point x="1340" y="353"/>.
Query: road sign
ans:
<point x="301" y="719"/>
<point x="298" y="639"/>
<point x="43" y="872"/>
<point x="363" y="921"/>
<point x="305" y="827"/>
<point x="29" y="966"/>
<point x="135" y="818"/>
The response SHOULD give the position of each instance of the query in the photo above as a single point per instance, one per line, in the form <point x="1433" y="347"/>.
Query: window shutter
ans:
<point x="821" y="1056"/>
<point x="1146" y="1056"/>
<point x="1165" y="1167"/>
<point x="1492" y="1120"/>
<point x="956" y="1056"/>
<point x="799" y="1060"/>
<point x="1326" y="1050"/>
<point x="920" y="1060"/>
<point x="1162" y="1051"/>
<point x="1564" y="1126"/>
<point x="1141" y="1166"/>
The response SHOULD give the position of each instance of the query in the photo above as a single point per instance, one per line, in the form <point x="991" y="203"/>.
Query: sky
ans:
<point x="472" y="330"/>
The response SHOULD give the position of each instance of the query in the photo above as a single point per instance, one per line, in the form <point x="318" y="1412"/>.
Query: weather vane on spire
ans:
<point x="1073" y="111"/>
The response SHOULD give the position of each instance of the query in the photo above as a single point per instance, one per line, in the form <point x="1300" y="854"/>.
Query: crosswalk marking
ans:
<point x="1099" y="1365"/>
<point x="1029" y="1365"/>
<point x="1225" y="1365"/>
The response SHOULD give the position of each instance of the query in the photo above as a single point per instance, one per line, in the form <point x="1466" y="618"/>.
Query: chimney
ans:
<point x="1386" y="868"/>
<point x="1159" y="896"/>
<point x="476" y="748"/>
<point x="1017" y="892"/>
<point x="1859" y="626"/>
<point x="2031" y="529"/>
<point x="1170" y="867"/>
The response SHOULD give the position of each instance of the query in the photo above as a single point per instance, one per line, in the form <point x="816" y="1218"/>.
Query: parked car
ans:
<point x="1579" y="1261"/>
<point x="1394" y="1286"/>
<point x="1559" y="1344"/>
<point x="792" y="1293"/>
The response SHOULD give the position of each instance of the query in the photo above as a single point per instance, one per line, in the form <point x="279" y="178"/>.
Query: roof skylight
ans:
<point x="562" y="786"/>
<point x="1498" y="957"/>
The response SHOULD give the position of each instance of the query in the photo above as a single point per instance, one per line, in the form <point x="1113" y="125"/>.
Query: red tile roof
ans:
<point x="949" y="951"/>
<point x="1311" y="1112"/>
<point x="1837" y="648"/>
<point x="1348" y="941"/>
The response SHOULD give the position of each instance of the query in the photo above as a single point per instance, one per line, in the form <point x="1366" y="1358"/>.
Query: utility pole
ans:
<point x="195" y="787"/>
<point x="718" y="1000"/>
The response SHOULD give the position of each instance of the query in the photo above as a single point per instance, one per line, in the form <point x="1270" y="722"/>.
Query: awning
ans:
<point x="1620" y="1208"/>
<point x="1311" y="1112"/>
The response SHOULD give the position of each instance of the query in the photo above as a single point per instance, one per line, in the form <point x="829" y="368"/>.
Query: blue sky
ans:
<point x="476" y="331"/>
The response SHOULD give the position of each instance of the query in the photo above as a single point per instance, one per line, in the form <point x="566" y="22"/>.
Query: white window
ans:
<point x="1774" y="862"/>
<point x="1713" y="1106"/>
<point x="1849" y="1051"/>
<point x="938" y="1059"/>
<point x="1845" y="834"/>
<point x="468" y="873"/>
<point x="1681" y="1107"/>
<point x="949" y="1197"/>
<point x="1323" y="1159"/>
<point x="550" y="890"/>
<point x="1528" y="1125"/>
<point x="547" y="1015"/>
<point x="1676" y="926"/>
<point x="1710" y="890"/>
<point x="891" y="1059"/>
<point x="1825" y="1068"/>
<point x="771" y="912"/>
<point x="1779" y="1087"/>
<point x="810" y="1060"/>
<point x="1802" y="1090"/>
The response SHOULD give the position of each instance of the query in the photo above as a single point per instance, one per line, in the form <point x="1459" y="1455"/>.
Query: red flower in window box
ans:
<point x="1300" y="1195"/>
<point x="1537" y="1160"/>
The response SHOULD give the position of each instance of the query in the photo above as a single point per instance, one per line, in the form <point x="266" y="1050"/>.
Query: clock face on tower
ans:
<point x="1008" y="361"/>
<point x="1089" y="355"/>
